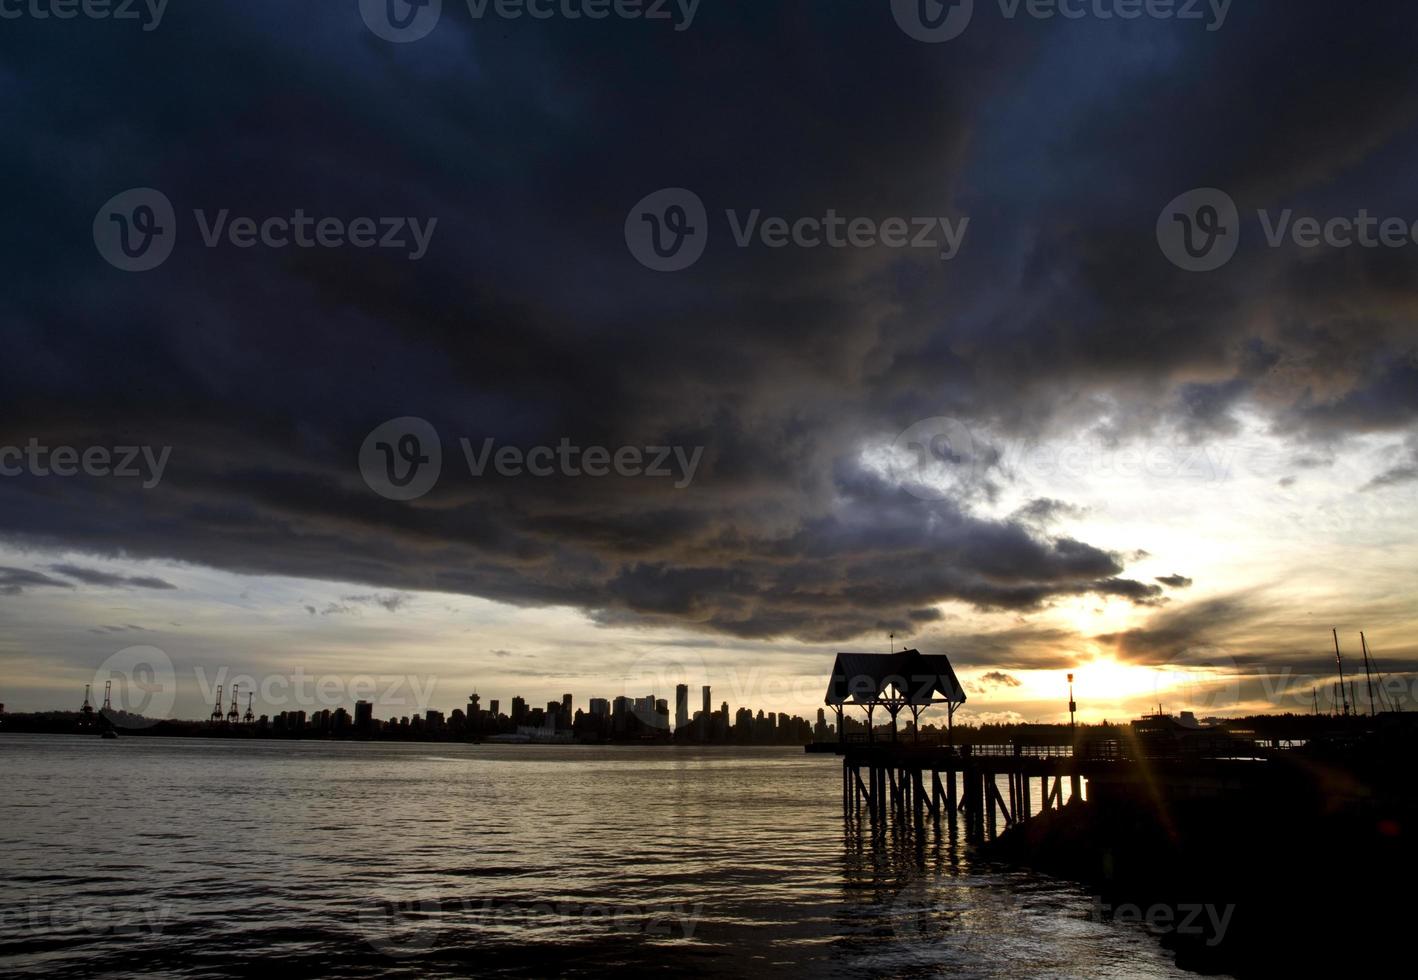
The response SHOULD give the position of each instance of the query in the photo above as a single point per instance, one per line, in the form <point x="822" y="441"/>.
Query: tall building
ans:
<point x="707" y="711"/>
<point x="519" y="711"/>
<point x="566" y="708"/>
<point x="364" y="716"/>
<point x="681" y="706"/>
<point x="474" y="711"/>
<point x="621" y="709"/>
<point x="492" y="708"/>
<point x="600" y="708"/>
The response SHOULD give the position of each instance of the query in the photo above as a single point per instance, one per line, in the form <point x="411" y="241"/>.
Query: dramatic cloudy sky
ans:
<point x="1174" y="483"/>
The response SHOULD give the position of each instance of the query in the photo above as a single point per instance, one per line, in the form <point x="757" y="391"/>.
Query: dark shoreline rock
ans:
<point x="1300" y="879"/>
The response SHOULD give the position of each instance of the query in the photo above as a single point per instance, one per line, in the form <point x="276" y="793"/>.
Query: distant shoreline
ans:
<point x="321" y="738"/>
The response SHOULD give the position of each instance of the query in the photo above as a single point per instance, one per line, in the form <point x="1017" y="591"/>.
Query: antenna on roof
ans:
<point x="891" y="642"/>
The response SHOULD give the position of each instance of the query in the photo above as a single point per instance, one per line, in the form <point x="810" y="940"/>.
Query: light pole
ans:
<point x="1072" y="705"/>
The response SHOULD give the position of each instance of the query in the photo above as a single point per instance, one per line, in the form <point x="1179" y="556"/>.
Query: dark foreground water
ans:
<point x="194" y="858"/>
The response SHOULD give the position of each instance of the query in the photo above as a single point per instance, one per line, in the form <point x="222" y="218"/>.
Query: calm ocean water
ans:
<point x="194" y="858"/>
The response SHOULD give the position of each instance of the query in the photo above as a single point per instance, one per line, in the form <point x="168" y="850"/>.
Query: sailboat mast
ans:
<point x="1343" y="694"/>
<point x="1368" y="678"/>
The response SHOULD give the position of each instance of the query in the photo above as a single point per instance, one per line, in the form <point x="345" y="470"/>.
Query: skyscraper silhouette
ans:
<point x="681" y="706"/>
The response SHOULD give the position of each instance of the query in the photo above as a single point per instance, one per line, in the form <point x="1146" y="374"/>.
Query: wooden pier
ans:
<point x="987" y="789"/>
<point x="895" y="780"/>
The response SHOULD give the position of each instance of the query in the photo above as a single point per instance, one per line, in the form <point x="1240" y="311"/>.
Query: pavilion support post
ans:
<point x="874" y="803"/>
<point x="950" y="799"/>
<point x="991" y="792"/>
<point x="967" y="787"/>
<point x="864" y="795"/>
<point x="878" y="777"/>
<point x="868" y="792"/>
<point x="888" y="795"/>
<point x="878" y="796"/>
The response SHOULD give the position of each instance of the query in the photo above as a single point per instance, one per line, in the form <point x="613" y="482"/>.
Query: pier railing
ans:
<point x="1089" y="750"/>
<point x="858" y="740"/>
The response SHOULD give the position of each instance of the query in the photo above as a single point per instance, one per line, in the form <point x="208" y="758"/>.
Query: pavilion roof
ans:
<point x="906" y="677"/>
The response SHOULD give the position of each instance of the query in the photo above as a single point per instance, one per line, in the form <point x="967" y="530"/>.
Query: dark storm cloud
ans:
<point x="13" y="581"/>
<point x="1393" y="477"/>
<point x="528" y="320"/>
<point x="355" y="604"/>
<point x="1043" y="511"/>
<point x="126" y="628"/>
<point x="1403" y="471"/>
<point x="998" y="678"/>
<point x="1194" y="633"/>
<point x="94" y="576"/>
<point x="1175" y="581"/>
<point x="389" y="601"/>
<point x="1023" y="647"/>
